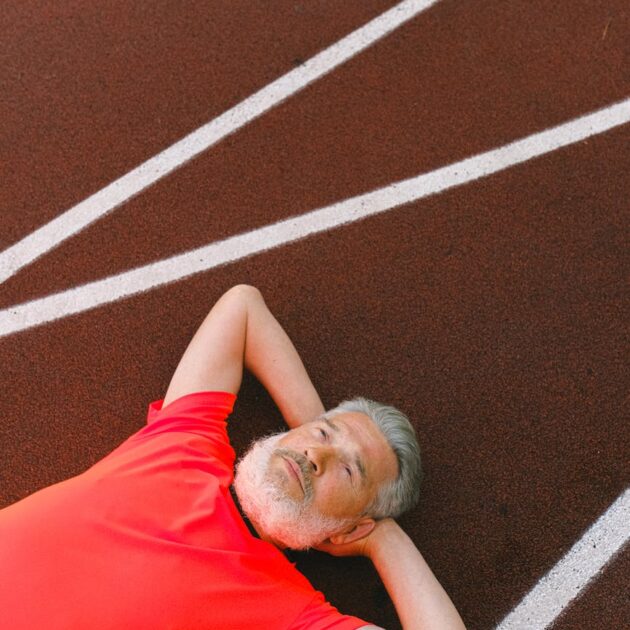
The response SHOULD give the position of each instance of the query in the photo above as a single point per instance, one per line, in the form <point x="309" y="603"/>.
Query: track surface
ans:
<point x="495" y="314"/>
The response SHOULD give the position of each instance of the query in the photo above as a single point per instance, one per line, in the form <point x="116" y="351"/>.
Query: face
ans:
<point x="315" y="480"/>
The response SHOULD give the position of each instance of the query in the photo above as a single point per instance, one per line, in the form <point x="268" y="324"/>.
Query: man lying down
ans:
<point x="151" y="538"/>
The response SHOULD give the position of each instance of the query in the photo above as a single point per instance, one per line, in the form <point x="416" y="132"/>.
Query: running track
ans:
<point x="494" y="312"/>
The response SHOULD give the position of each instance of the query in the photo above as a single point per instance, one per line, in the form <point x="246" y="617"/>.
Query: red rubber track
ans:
<point x="495" y="314"/>
<point x="418" y="100"/>
<point x="91" y="90"/>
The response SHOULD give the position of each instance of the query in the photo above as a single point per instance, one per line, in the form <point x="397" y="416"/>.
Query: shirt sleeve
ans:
<point x="320" y="615"/>
<point x="193" y="423"/>
<point x="200" y="413"/>
<point x="198" y="406"/>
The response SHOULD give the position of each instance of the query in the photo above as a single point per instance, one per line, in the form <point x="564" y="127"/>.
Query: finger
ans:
<point x="324" y="546"/>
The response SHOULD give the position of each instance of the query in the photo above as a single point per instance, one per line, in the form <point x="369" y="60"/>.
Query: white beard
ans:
<point x="296" y="524"/>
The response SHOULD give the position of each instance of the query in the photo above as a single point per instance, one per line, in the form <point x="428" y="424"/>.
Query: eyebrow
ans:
<point x="357" y="460"/>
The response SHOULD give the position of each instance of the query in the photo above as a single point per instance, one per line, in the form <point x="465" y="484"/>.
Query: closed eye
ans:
<point x="323" y="433"/>
<point x="350" y="477"/>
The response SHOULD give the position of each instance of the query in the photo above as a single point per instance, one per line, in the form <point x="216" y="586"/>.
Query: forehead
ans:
<point x="375" y="453"/>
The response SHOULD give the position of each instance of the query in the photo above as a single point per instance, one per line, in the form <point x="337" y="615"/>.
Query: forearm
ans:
<point x="420" y="600"/>
<point x="239" y="331"/>
<point x="271" y="356"/>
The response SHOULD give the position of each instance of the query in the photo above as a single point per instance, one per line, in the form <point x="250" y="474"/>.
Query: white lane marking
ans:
<point x="82" y="298"/>
<point x="121" y="190"/>
<point x="554" y="592"/>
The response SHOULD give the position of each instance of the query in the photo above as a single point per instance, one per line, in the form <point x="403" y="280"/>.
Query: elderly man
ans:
<point x="151" y="538"/>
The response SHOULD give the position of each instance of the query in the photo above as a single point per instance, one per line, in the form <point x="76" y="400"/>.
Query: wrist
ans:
<point x="385" y="534"/>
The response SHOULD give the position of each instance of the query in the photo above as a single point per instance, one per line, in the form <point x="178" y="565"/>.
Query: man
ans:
<point x="150" y="537"/>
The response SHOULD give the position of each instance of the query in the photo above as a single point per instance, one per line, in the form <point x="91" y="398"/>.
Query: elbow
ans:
<point x="245" y="291"/>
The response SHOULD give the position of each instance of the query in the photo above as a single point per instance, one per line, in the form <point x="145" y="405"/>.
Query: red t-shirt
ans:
<point x="150" y="539"/>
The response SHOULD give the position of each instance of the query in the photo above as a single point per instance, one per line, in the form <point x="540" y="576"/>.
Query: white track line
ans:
<point x="100" y="203"/>
<point x="553" y="593"/>
<point x="82" y="298"/>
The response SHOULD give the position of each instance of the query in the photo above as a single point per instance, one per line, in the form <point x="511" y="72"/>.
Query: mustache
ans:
<point x="302" y="464"/>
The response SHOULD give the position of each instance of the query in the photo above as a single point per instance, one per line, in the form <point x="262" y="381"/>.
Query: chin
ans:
<point x="265" y="501"/>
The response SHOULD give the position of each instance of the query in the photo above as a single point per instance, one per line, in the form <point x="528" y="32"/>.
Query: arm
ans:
<point x="240" y="331"/>
<point x="420" y="600"/>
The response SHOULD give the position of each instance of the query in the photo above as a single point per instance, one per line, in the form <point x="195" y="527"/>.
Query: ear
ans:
<point x="360" y="530"/>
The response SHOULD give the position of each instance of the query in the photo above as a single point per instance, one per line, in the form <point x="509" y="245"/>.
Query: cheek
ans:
<point x="334" y="497"/>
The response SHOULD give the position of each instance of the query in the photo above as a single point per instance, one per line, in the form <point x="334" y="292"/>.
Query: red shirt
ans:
<point x="150" y="539"/>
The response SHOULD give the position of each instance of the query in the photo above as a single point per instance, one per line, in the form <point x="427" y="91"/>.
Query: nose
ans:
<point x="319" y="457"/>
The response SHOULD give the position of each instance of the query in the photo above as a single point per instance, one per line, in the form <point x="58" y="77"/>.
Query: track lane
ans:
<point x="572" y="574"/>
<point x="132" y="183"/>
<point x="417" y="100"/>
<point x="174" y="268"/>
<point x="605" y="602"/>
<point x="89" y="92"/>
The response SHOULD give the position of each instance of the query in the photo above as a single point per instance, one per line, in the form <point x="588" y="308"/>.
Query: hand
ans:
<point x="360" y="547"/>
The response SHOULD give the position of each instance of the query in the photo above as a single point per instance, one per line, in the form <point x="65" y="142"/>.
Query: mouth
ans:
<point x="294" y="471"/>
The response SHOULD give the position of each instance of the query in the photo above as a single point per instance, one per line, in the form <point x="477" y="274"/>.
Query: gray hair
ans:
<point x="395" y="497"/>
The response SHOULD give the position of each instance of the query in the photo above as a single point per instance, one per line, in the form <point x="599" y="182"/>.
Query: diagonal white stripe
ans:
<point x="121" y="190"/>
<point x="555" y="591"/>
<point x="40" y="311"/>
